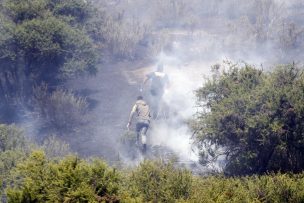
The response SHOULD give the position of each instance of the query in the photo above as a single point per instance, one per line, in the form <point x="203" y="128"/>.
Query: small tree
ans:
<point x="43" y="41"/>
<point x="253" y="119"/>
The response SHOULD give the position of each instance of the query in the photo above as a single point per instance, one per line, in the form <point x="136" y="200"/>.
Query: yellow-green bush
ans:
<point x="161" y="182"/>
<point x="267" y="188"/>
<point x="39" y="179"/>
<point x="69" y="180"/>
<point x="13" y="148"/>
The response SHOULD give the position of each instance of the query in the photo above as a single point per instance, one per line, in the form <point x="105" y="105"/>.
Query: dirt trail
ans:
<point x="111" y="94"/>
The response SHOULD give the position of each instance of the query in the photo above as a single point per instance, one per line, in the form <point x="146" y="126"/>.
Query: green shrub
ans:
<point x="122" y="37"/>
<point x="43" y="41"/>
<point x="61" y="110"/>
<point x="266" y="188"/>
<point x="26" y="9"/>
<point x="254" y="119"/>
<point x="38" y="179"/>
<point x="55" y="148"/>
<point x="11" y="138"/>
<point x="69" y="180"/>
<point x="158" y="181"/>
<point x="13" y="148"/>
<point x="78" y="9"/>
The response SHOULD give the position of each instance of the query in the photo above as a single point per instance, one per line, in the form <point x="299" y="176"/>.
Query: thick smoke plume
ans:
<point x="187" y="36"/>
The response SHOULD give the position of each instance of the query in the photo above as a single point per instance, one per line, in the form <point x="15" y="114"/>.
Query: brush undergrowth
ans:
<point x="41" y="179"/>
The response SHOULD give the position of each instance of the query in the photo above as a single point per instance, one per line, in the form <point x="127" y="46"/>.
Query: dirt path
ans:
<point x="111" y="94"/>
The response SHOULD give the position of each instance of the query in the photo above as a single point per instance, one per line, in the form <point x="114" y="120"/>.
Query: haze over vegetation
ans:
<point x="70" y="71"/>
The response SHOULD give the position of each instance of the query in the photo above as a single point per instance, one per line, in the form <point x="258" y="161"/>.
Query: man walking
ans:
<point x="159" y="81"/>
<point x="142" y="111"/>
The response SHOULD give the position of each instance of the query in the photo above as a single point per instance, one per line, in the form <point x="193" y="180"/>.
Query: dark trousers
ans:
<point x="141" y="130"/>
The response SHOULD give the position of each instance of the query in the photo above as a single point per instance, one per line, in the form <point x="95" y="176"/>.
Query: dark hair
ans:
<point x="139" y="97"/>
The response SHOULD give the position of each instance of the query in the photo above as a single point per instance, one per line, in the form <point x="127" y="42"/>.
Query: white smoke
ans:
<point x="179" y="100"/>
<point x="257" y="32"/>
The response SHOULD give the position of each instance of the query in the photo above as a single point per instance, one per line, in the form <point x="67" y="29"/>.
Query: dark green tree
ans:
<point x="43" y="41"/>
<point x="253" y="119"/>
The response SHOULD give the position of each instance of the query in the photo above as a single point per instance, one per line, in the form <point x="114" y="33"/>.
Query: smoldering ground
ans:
<point x="187" y="36"/>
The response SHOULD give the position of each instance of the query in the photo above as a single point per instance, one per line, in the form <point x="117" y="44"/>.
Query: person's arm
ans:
<point x="131" y="116"/>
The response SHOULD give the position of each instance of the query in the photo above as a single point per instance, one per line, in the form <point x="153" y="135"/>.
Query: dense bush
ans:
<point x="39" y="179"/>
<point x="49" y="178"/>
<point x="13" y="148"/>
<point x="61" y="110"/>
<point x="161" y="182"/>
<point x="266" y="188"/>
<point x="42" y="41"/>
<point x="55" y="148"/>
<point x="253" y="119"/>
<point x="69" y="180"/>
<point x="122" y="37"/>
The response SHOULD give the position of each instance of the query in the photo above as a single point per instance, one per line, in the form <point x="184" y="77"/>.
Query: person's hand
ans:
<point x="128" y="126"/>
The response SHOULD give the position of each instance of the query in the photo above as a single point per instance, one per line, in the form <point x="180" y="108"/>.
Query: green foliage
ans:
<point x="21" y="10"/>
<point x="79" y="10"/>
<point x="161" y="182"/>
<point x="122" y="37"/>
<point x="44" y="41"/>
<point x="267" y="188"/>
<point x="61" y="110"/>
<point x="50" y="48"/>
<point x="254" y="119"/>
<point x="55" y="148"/>
<point x="11" y="138"/>
<point x="39" y="179"/>
<point x="13" y="148"/>
<point x="69" y="180"/>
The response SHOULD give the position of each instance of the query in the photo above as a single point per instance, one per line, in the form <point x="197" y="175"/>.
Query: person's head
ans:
<point x="160" y="67"/>
<point x="140" y="97"/>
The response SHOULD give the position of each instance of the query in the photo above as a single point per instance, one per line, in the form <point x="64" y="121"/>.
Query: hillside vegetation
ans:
<point x="249" y="121"/>
<point x="51" y="173"/>
<point x="38" y="176"/>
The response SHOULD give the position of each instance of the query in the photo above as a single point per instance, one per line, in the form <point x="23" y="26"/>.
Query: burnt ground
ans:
<point x="110" y="94"/>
